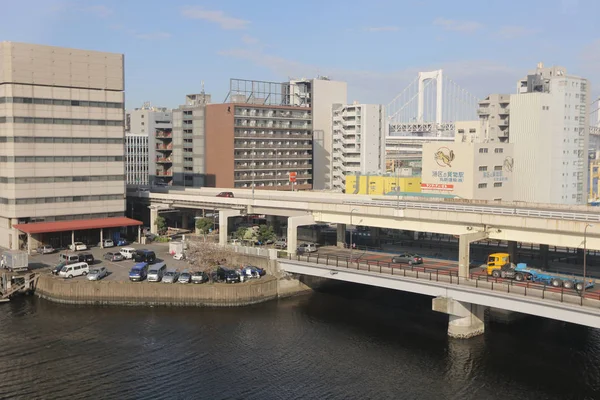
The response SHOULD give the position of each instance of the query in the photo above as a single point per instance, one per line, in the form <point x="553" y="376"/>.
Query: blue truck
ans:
<point x="521" y="272"/>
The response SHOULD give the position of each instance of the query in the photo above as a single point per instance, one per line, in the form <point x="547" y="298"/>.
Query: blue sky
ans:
<point x="376" y="46"/>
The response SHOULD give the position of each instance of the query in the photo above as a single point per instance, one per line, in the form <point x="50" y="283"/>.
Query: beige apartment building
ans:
<point x="61" y="145"/>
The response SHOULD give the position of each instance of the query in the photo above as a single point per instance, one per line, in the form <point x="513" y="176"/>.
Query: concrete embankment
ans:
<point x="272" y="286"/>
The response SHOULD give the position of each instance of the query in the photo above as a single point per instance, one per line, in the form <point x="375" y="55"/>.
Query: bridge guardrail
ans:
<point x="526" y="288"/>
<point x="571" y="216"/>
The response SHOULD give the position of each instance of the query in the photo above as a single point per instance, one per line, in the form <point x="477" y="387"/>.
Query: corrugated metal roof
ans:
<point x="76" y="225"/>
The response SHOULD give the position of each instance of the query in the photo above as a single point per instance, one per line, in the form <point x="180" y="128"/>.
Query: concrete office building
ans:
<point x="319" y="94"/>
<point x="61" y="144"/>
<point x="468" y="170"/>
<point x="189" y="141"/>
<point x="156" y="123"/>
<point x="549" y="125"/>
<point x="359" y="132"/>
<point x="136" y="159"/>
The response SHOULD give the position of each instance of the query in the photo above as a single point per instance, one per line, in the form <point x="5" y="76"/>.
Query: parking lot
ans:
<point x="117" y="270"/>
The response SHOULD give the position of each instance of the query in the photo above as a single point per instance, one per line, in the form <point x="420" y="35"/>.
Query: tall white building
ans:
<point x="157" y="124"/>
<point x="320" y="95"/>
<point x="358" y="137"/>
<point x="549" y="125"/>
<point x="136" y="159"/>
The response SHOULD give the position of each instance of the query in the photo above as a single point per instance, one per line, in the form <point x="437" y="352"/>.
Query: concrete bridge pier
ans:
<point x="224" y="224"/>
<point x="292" y="230"/>
<point x="464" y="250"/>
<point x="153" y="217"/>
<point x="341" y="235"/>
<point x="466" y="320"/>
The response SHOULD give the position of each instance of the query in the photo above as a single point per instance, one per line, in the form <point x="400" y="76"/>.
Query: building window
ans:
<point x="483" y="150"/>
<point x="482" y="185"/>
<point x="497" y="184"/>
<point x="498" y="168"/>
<point x="483" y="168"/>
<point x="498" y="150"/>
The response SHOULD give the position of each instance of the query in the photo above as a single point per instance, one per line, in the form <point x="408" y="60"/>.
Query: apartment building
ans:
<point x="258" y="145"/>
<point x="549" y="125"/>
<point x="359" y="132"/>
<point x="319" y="95"/>
<point x="61" y="144"/>
<point x="136" y="159"/>
<point x="494" y="113"/>
<point x="157" y="124"/>
<point x="188" y="151"/>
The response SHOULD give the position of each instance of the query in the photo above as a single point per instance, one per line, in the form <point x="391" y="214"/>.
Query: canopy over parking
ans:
<point x="76" y="225"/>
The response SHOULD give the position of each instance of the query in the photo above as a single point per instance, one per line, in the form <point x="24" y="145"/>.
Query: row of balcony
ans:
<point x="273" y="114"/>
<point x="164" y="160"/>
<point x="164" y="147"/>
<point x="270" y="166"/>
<point x="245" y="124"/>
<point x="272" y="155"/>
<point x="493" y="110"/>
<point x="164" y="172"/>
<point x="265" y="135"/>
<point x="261" y="177"/>
<point x="284" y="145"/>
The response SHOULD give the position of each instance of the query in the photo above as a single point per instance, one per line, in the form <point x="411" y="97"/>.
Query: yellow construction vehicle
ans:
<point x="495" y="262"/>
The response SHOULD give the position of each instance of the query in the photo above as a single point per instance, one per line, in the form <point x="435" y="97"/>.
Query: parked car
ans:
<point x="227" y="275"/>
<point x="200" y="277"/>
<point x="122" y="242"/>
<point x="107" y="243"/>
<point x="113" y="256"/>
<point x="185" y="277"/>
<point x="144" y="255"/>
<point x="73" y="270"/>
<point x="156" y="272"/>
<point x="307" y="248"/>
<point x="58" y="268"/>
<point x="250" y="271"/>
<point x="225" y="194"/>
<point x="138" y="272"/>
<point x="170" y="276"/>
<point x="78" y="246"/>
<point x="86" y="257"/>
<point x="407" y="258"/>
<point x="127" y="252"/>
<point x="260" y="271"/>
<point x="97" y="273"/>
<point x="281" y="244"/>
<point x="46" y="249"/>
<point x="68" y="258"/>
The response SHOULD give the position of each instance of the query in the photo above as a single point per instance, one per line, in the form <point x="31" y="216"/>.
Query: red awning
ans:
<point x="76" y="225"/>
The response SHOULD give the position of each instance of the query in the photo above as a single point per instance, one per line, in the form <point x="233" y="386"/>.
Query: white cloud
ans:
<point x="383" y="29"/>
<point x="153" y="35"/>
<point x="457" y="26"/>
<point x="513" y="31"/>
<point x="99" y="11"/>
<point x="480" y="77"/>
<point x="216" y="16"/>
<point x="247" y="39"/>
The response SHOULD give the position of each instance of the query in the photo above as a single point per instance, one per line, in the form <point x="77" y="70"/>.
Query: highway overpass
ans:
<point x="553" y="225"/>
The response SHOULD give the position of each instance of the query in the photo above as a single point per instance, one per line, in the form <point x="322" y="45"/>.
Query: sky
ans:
<point x="378" y="47"/>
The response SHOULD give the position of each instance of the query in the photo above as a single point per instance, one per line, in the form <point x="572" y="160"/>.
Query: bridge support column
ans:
<point x="464" y="250"/>
<point x="153" y="217"/>
<point x="544" y="249"/>
<point x="184" y="220"/>
<point x="341" y="235"/>
<point x="512" y="250"/>
<point x="224" y="224"/>
<point x="465" y="319"/>
<point x="292" y="230"/>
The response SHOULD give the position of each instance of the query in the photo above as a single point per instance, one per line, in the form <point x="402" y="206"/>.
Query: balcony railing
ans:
<point x="164" y="160"/>
<point x="283" y="115"/>
<point x="273" y="126"/>
<point x="164" y="173"/>
<point x="271" y="177"/>
<point x="270" y="136"/>
<point x="164" y="147"/>
<point x="273" y="146"/>
<point x="272" y="167"/>
<point x="164" y="135"/>
<point x="272" y="156"/>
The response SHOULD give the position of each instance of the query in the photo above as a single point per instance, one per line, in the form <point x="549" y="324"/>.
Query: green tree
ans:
<point x="240" y="233"/>
<point x="265" y="232"/>
<point x="204" y="225"/>
<point x="161" y="224"/>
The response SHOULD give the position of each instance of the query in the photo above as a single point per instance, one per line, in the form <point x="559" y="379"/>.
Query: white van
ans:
<point x="73" y="270"/>
<point x="156" y="272"/>
<point x="127" y="252"/>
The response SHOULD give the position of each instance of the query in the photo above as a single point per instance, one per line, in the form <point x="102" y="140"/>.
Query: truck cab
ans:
<point x="495" y="262"/>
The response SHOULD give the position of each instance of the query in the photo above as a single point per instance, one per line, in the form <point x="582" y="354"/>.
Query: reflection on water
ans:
<point x="348" y="342"/>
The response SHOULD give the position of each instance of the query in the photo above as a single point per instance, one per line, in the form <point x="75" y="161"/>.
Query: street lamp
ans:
<point x="351" y="211"/>
<point x="585" y="256"/>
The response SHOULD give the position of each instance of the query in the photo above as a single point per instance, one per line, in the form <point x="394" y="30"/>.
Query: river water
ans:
<point x="344" y="342"/>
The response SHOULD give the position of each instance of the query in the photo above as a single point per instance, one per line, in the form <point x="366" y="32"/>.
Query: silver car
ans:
<point x="185" y="277"/>
<point x="97" y="273"/>
<point x="46" y="249"/>
<point x="170" y="276"/>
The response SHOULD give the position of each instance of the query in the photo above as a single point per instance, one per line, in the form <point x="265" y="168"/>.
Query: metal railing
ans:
<point x="479" y="281"/>
<point x="573" y="216"/>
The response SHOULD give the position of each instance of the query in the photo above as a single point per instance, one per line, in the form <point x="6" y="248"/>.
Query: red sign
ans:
<point x="437" y="186"/>
<point x="292" y="177"/>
